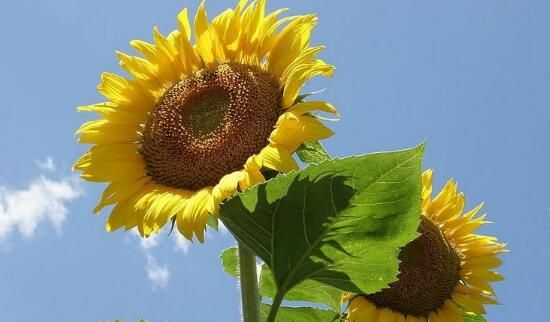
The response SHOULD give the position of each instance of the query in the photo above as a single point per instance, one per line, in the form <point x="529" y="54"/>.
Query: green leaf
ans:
<point x="307" y="291"/>
<point x="312" y="152"/>
<point x="301" y="314"/>
<point x="475" y="318"/>
<point x="230" y="261"/>
<point x="341" y="222"/>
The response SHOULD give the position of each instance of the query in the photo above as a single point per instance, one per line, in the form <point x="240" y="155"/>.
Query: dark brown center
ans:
<point x="429" y="271"/>
<point x="207" y="126"/>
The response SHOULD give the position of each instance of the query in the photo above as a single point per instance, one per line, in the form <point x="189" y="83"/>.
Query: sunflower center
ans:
<point x="429" y="272"/>
<point x="208" y="125"/>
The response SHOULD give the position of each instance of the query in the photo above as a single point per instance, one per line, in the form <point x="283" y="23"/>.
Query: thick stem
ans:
<point x="250" y="293"/>
<point x="275" y="307"/>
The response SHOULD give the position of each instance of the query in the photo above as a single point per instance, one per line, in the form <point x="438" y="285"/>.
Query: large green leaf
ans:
<point x="307" y="291"/>
<point x="341" y="222"/>
<point x="301" y="314"/>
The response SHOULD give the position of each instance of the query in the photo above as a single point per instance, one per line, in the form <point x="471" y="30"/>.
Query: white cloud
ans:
<point x="182" y="243"/>
<point x="146" y="243"/>
<point x="158" y="275"/>
<point x="47" y="164"/>
<point x="44" y="200"/>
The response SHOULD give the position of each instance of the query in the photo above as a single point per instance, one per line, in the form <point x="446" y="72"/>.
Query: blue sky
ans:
<point x="471" y="77"/>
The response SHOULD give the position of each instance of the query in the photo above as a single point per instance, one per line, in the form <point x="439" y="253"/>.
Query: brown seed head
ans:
<point x="208" y="125"/>
<point x="429" y="272"/>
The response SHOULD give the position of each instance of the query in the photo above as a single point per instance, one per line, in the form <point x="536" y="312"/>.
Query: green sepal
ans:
<point x="312" y="152"/>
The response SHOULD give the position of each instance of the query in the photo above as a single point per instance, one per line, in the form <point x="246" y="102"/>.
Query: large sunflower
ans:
<point x="445" y="274"/>
<point x="201" y="119"/>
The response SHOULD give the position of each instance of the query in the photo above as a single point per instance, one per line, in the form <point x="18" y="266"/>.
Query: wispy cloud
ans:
<point x="158" y="275"/>
<point x="47" y="164"/>
<point x="182" y="245"/>
<point x="44" y="200"/>
<point x="147" y="243"/>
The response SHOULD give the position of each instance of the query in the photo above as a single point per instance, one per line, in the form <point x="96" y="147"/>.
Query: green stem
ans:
<point x="250" y="293"/>
<point x="275" y="307"/>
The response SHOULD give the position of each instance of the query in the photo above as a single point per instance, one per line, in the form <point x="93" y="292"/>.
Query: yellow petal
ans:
<point x="293" y="130"/>
<point x="386" y="315"/>
<point x="399" y="317"/>
<point x="434" y="317"/>
<point x="482" y="262"/>
<point x="140" y="68"/>
<point x="126" y="211"/>
<point x="445" y="195"/>
<point x="205" y="47"/>
<point x="252" y="174"/>
<point x="193" y="213"/>
<point x="450" y="312"/>
<point x="251" y="25"/>
<point x="200" y="205"/>
<point x="307" y="107"/>
<point x="104" y="132"/>
<point x="426" y="190"/>
<point x="290" y="43"/>
<point x="468" y="303"/>
<point x="184" y="221"/>
<point x="148" y="50"/>
<point x="300" y="76"/>
<point x="269" y="28"/>
<point x="183" y="24"/>
<point x="116" y="218"/>
<point x="362" y="310"/>
<point x="119" y="191"/>
<point x="227" y="186"/>
<point x="160" y="208"/>
<point x="277" y="158"/>
<point x="412" y="318"/>
<point x="123" y="91"/>
<point x="167" y="57"/>
<point x="113" y="171"/>
<point x="454" y="208"/>
<point x="307" y="56"/>
<point x="118" y="114"/>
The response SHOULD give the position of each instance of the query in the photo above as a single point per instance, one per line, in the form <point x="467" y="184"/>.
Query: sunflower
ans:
<point x="199" y="120"/>
<point x="445" y="274"/>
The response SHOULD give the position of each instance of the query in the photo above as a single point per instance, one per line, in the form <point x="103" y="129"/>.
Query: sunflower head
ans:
<point x="206" y="110"/>
<point x="445" y="274"/>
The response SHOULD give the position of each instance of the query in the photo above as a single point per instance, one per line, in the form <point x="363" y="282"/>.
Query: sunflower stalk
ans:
<point x="250" y="293"/>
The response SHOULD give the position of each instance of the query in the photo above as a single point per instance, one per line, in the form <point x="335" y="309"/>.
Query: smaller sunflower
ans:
<point x="445" y="274"/>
